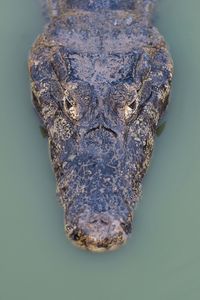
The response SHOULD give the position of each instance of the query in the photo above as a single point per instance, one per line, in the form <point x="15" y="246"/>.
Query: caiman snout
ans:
<point x="99" y="232"/>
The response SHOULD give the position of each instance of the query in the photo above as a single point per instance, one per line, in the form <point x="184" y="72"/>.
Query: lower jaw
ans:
<point x="95" y="249"/>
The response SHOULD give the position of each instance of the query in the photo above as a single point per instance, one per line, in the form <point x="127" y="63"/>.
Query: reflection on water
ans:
<point x="161" y="261"/>
<point x="161" y="128"/>
<point x="43" y="132"/>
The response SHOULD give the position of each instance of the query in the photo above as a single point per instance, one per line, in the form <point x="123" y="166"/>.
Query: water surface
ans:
<point x="162" y="260"/>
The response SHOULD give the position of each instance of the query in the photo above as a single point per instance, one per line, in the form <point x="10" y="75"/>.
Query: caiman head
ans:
<point x="101" y="111"/>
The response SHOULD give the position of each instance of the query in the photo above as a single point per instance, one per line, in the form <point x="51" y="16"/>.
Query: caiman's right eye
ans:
<point x="131" y="103"/>
<point x="130" y="109"/>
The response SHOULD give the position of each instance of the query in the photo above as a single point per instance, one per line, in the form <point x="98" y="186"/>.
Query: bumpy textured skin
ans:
<point x="100" y="77"/>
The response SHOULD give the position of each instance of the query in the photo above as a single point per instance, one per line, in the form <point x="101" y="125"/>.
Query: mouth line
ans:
<point x="91" y="245"/>
<point x="102" y="127"/>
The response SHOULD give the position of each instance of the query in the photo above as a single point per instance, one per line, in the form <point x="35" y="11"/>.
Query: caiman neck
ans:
<point x="101" y="4"/>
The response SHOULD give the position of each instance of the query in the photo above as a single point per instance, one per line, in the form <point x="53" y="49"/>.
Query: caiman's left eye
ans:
<point x="70" y="107"/>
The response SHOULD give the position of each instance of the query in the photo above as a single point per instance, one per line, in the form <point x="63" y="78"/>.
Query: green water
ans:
<point x="162" y="259"/>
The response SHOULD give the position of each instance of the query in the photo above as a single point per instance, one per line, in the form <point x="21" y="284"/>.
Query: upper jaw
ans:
<point x="97" y="232"/>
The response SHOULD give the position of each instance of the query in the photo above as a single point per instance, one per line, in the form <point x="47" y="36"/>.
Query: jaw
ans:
<point x="98" y="199"/>
<point x="96" y="248"/>
<point x="100" y="233"/>
<point x="93" y="244"/>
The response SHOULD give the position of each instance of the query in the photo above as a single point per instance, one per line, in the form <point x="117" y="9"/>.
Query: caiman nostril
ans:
<point x="100" y="220"/>
<point x="104" y="222"/>
<point x="93" y="221"/>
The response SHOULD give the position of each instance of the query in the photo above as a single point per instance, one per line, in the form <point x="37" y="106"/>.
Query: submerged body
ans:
<point x="100" y="76"/>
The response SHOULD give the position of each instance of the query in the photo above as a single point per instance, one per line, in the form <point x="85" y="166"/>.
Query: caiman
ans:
<point x="100" y="77"/>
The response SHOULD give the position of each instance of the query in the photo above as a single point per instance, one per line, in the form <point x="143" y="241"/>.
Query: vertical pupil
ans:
<point x="132" y="105"/>
<point x="68" y="103"/>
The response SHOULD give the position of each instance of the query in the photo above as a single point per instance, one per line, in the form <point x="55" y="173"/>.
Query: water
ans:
<point x="162" y="260"/>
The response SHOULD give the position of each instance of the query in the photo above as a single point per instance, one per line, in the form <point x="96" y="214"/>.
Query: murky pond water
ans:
<point x="162" y="260"/>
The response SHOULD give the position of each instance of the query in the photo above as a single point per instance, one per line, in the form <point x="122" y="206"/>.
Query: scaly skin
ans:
<point x="100" y="77"/>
